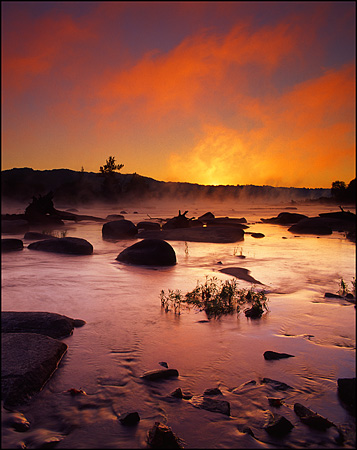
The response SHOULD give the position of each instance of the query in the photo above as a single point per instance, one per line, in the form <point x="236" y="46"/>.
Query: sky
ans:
<point x="214" y="93"/>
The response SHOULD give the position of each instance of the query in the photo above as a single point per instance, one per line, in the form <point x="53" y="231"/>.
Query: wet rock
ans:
<point x="146" y="225"/>
<point x="206" y="216"/>
<point x="212" y="391"/>
<point x="269" y="355"/>
<point x="151" y="252"/>
<point x="255" y="312"/>
<point x="119" y="229"/>
<point x="15" y="420"/>
<point x="161" y="436"/>
<point x="227" y="222"/>
<point x="27" y="362"/>
<point x="277" y="385"/>
<point x="164" y="364"/>
<point x="178" y="393"/>
<point x="160" y="374"/>
<point x="211" y="404"/>
<point x="346" y="388"/>
<point x="278" y="425"/>
<point x="310" y="418"/>
<point x="114" y="217"/>
<point x="276" y="402"/>
<point x="312" y="225"/>
<point x="48" y="324"/>
<point x="257" y="235"/>
<point x="74" y="392"/>
<point x="11" y="245"/>
<point x="285" y="218"/>
<point x="69" y="245"/>
<point x="130" y="419"/>
<point x="331" y="295"/>
<point x="197" y="234"/>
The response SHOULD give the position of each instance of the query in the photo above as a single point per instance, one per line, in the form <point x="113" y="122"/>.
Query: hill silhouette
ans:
<point x="75" y="188"/>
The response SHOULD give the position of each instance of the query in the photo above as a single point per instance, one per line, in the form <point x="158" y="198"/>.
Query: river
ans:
<point x="128" y="333"/>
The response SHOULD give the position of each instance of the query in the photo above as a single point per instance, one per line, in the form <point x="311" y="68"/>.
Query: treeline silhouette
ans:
<point x="74" y="188"/>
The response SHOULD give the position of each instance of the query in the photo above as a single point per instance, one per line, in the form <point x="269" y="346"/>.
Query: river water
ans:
<point x="127" y="333"/>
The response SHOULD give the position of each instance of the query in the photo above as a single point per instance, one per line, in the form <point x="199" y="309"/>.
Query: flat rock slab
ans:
<point x="27" y="362"/>
<point x="45" y="323"/>
<point x="241" y="273"/>
<point x="218" y="234"/>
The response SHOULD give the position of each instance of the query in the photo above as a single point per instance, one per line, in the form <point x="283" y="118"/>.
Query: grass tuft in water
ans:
<point x="217" y="298"/>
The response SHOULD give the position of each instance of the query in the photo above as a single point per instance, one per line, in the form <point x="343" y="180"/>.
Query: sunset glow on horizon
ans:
<point x="211" y="93"/>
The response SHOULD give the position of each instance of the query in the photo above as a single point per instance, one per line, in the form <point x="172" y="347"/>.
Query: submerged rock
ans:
<point x="211" y="404"/>
<point x="278" y="385"/>
<point x="151" y="252"/>
<point x="241" y="273"/>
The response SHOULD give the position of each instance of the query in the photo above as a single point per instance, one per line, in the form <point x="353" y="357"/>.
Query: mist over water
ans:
<point x="127" y="332"/>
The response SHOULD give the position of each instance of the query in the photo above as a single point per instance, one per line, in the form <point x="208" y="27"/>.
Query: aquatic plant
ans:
<point x="344" y="290"/>
<point x="216" y="298"/>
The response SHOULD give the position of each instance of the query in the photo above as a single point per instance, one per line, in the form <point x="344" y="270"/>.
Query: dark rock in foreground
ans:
<point x="11" y="245"/>
<point x="161" y="436"/>
<point x="69" y="245"/>
<point x="278" y="425"/>
<point x="119" y="229"/>
<point x="27" y="362"/>
<point x="151" y="252"/>
<point x="269" y="355"/>
<point x="49" y="324"/>
<point x="221" y="234"/>
<point x="311" y="418"/>
<point x="346" y="388"/>
<point x="153" y="375"/>
<point x="130" y="418"/>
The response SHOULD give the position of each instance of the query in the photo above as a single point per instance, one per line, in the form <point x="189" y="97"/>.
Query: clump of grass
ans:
<point x="217" y="298"/>
<point x="344" y="289"/>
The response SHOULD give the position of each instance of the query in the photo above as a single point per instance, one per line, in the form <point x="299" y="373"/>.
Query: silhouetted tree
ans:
<point x="110" y="166"/>
<point x="338" y="190"/>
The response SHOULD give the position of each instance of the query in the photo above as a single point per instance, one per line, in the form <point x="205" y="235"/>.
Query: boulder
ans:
<point x="160" y="374"/>
<point x="119" y="229"/>
<point x="257" y="235"/>
<point x="146" y="225"/>
<point x="227" y="222"/>
<point x="114" y="217"/>
<point x="211" y="404"/>
<point x="198" y="234"/>
<point x="346" y="388"/>
<point x="27" y="362"/>
<point x="151" y="252"/>
<point x="10" y="245"/>
<point x="278" y="425"/>
<point x="161" y="436"/>
<point x="206" y="216"/>
<point x="131" y="418"/>
<point x="70" y="245"/>
<point x="311" y="418"/>
<point x="49" y="324"/>
<point x="269" y="355"/>
<point x="312" y="225"/>
<point x="285" y="218"/>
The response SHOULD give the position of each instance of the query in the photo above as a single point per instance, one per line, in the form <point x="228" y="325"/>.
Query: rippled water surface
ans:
<point x="127" y="333"/>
